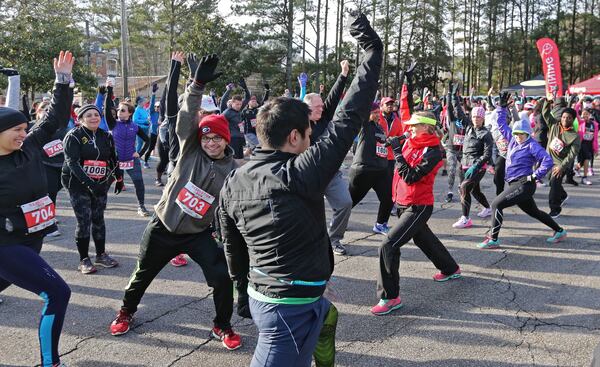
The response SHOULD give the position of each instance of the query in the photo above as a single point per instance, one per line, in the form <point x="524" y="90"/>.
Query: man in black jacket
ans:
<point x="273" y="215"/>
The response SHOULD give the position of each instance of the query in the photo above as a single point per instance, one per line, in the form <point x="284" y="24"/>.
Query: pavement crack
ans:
<point x="182" y="356"/>
<point x="172" y="310"/>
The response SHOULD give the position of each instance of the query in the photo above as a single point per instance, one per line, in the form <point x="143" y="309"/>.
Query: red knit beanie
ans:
<point x="216" y="124"/>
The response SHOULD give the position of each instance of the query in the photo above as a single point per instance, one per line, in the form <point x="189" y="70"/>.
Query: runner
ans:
<point x="523" y="153"/>
<point x="563" y="146"/>
<point x="27" y="213"/>
<point x="90" y="167"/>
<point x="249" y="119"/>
<point x="588" y="134"/>
<point x="456" y="121"/>
<point x="154" y="111"/>
<point x="183" y="217"/>
<point x="234" y="116"/>
<point x="417" y="163"/>
<point x="284" y="184"/>
<point x="477" y="152"/>
<point x="125" y="133"/>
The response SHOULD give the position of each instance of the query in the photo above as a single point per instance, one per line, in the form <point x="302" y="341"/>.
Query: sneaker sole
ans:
<point x="105" y="266"/>
<point x="120" y="333"/>
<point x="397" y="307"/>
<point x="87" y="272"/>
<point x="453" y="276"/>
<point x="178" y="265"/>
<point x="488" y="247"/>
<point x="557" y="240"/>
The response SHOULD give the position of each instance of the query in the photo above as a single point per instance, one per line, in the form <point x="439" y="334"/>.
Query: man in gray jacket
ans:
<point x="184" y="214"/>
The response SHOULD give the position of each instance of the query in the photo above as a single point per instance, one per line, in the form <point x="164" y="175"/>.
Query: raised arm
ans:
<point x="14" y="88"/>
<point x="547" y="113"/>
<point x="501" y="112"/>
<point x="266" y="95"/>
<point x="108" y="106"/>
<point x="225" y="97"/>
<point x="60" y="107"/>
<point x="246" y="93"/>
<point x="335" y="94"/>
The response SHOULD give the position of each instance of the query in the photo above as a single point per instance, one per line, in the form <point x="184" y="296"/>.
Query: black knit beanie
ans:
<point x="9" y="118"/>
<point x="83" y="109"/>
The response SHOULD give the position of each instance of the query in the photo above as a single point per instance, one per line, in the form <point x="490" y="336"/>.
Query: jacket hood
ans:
<point x="522" y="126"/>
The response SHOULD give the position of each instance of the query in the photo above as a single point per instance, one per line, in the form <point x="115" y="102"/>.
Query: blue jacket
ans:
<point x="100" y="104"/>
<point x="141" y="117"/>
<point x="154" y="115"/>
<point x="521" y="158"/>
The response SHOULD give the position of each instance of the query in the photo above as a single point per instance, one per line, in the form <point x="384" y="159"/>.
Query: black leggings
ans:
<point x="158" y="246"/>
<point x="163" y="154"/>
<point x="89" y="211"/>
<point x="153" y="138"/>
<point x="471" y="185"/>
<point x="412" y="223"/>
<point x="363" y="181"/>
<point x="520" y="194"/>
<point x="22" y="266"/>
<point x="499" y="174"/>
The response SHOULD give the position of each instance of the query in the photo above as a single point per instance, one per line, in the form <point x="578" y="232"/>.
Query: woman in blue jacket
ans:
<point x="523" y="154"/>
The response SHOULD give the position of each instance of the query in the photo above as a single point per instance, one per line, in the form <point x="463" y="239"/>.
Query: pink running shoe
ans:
<point x="440" y="277"/>
<point x="386" y="306"/>
<point x="463" y="222"/>
<point x="179" y="260"/>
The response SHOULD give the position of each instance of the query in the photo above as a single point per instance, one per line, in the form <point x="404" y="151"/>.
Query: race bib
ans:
<point x="95" y="169"/>
<point x="458" y="139"/>
<point x="588" y="136"/>
<point x="39" y="214"/>
<point x="126" y="165"/>
<point x="194" y="201"/>
<point x="381" y="150"/>
<point x="557" y="145"/>
<point x="241" y="126"/>
<point x="54" y="148"/>
<point x="502" y="145"/>
<point x="253" y="122"/>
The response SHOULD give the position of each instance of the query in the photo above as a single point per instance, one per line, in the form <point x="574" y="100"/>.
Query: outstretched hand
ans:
<point x="345" y="67"/>
<point x="302" y="79"/>
<point x="412" y="67"/>
<point x="177" y="56"/>
<point x="64" y="63"/>
<point x="206" y="70"/>
<point x="192" y="61"/>
<point x="504" y="97"/>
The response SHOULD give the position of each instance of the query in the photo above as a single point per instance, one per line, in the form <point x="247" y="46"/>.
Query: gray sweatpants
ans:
<point x="338" y="196"/>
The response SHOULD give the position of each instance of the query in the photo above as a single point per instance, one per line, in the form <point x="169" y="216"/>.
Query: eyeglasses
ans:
<point x="216" y="139"/>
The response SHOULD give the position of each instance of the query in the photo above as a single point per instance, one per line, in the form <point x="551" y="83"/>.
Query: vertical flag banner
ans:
<point x="551" y="64"/>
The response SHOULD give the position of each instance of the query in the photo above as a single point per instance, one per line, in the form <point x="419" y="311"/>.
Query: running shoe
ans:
<point x="146" y="165"/>
<point x="143" y="212"/>
<point x="449" y="197"/>
<point x="571" y="181"/>
<point x="491" y="170"/>
<point x="441" y="277"/>
<point x="386" y="306"/>
<point x="105" y="261"/>
<point x="577" y="173"/>
<point x="54" y="234"/>
<point x="485" y="212"/>
<point x="554" y="213"/>
<point x="86" y="266"/>
<point x="463" y="222"/>
<point x="563" y="201"/>
<point x="381" y="228"/>
<point x="158" y="183"/>
<point x="558" y="236"/>
<point x="121" y="324"/>
<point x="489" y="243"/>
<point x="338" y="249"/>
<point x="179" y="260"/>
<point x="585" y="181"/>
<point x="230" y="339"/>
<point x="590" y="171"/>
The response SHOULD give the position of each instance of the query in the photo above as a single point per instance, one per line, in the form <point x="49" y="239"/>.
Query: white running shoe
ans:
<point x="485" y="212"/>
<point x="463" y="222"/>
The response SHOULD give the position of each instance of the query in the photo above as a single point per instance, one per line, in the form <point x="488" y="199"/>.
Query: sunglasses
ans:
<point x="216" y="139"/>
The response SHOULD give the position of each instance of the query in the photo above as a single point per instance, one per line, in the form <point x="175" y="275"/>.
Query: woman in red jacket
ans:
<point x="417" y="162"/>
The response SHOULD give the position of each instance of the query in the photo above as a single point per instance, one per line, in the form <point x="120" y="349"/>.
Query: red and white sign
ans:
<point x="551" y="64"/>
<point x="126" y="165"/>
<point x="39" y="214"/>
<point x="54" y="148"/>
<point x="95" y="169"/>
<point x="194" y="201"/>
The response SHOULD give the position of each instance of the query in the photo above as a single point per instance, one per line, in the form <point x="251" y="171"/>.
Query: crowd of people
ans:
<point x="253" y="173"/>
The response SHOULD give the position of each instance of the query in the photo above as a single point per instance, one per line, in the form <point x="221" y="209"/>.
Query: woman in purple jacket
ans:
<point x="523" y="154"/>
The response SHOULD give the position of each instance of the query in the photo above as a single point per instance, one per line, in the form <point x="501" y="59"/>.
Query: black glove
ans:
<point x="242" y="84"/>
<point x="267" y="86"/>
<point x="119" y="184"/>
<point x="395" y="143"/>
<point x="154" y="87"/>
<point x="102" y="89"/>
<point x="361" y="30"/>
<point x="8" y="71"/>
<point x="380" y="138"/>
<point x="206" y="69"/>
<point x="504" y="97"/>
<point x="192" y="61"/>
<point x="97" y="188"/>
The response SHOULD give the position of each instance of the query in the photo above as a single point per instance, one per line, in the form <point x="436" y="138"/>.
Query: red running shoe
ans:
<point x="120" y="325"/>
<point x="179" y="260"/>
<point x="230" y="339"/>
